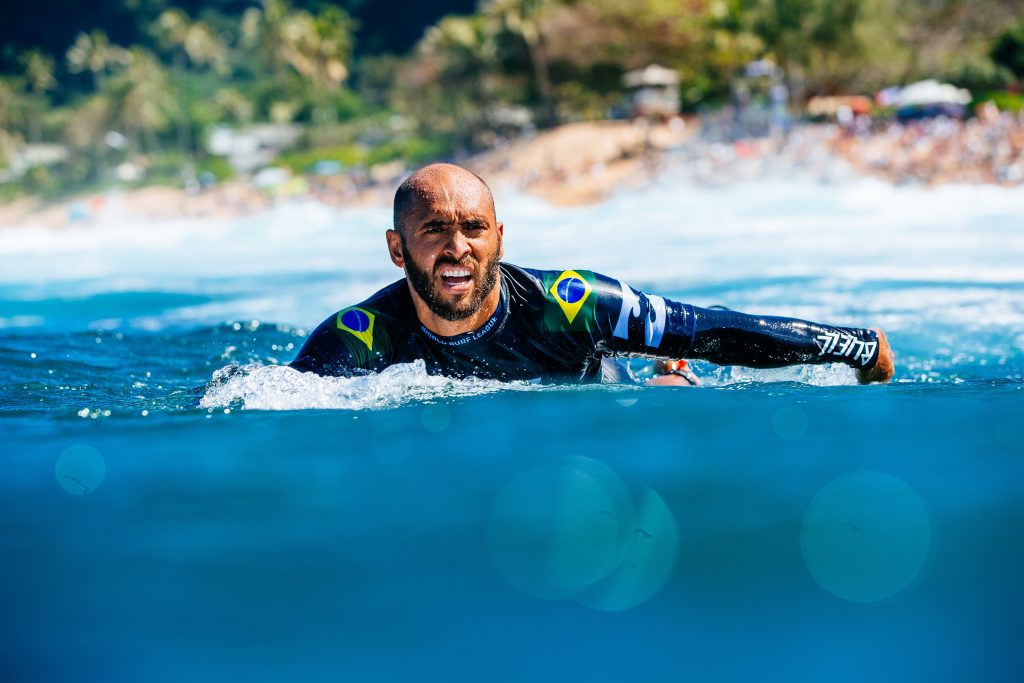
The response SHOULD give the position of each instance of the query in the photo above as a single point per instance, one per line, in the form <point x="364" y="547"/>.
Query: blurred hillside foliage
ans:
<point x="161" y="74"/>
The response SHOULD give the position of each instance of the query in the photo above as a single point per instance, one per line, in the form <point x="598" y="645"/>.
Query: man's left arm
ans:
<point x="636" y="323"/>
<point x="732" y="338"/>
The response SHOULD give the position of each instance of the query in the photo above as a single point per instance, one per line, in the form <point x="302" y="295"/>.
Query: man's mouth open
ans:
<point x="456" y="280"/>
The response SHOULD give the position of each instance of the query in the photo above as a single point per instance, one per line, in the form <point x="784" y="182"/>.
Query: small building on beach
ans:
<point x="654" y="91"/>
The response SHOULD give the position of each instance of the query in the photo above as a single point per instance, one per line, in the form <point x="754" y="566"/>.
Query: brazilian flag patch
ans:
<point x="572" y="301"/>
<point x="359" y="323"/>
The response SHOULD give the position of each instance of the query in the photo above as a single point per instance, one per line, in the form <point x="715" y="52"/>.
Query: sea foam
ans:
<point x="275" y="387"/>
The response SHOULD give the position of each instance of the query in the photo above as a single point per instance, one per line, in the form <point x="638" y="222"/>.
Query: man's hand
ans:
<point x="883" y="368"/>
<point x="673" y="373"/>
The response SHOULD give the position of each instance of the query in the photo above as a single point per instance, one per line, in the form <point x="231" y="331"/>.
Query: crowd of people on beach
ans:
<point x="987" y="148"/>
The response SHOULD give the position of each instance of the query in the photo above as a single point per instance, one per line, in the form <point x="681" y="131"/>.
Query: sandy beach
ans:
<point x="583" y="163"/>
<point x="577" y="163"/>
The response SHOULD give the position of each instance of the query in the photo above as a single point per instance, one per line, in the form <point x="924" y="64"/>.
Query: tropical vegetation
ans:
<point x="510" y="65"/>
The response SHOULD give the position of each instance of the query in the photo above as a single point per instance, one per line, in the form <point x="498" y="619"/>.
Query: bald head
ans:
<point x="439" y="185"/>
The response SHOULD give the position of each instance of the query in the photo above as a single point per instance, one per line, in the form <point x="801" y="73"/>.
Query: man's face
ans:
<point x="450" y="247"/>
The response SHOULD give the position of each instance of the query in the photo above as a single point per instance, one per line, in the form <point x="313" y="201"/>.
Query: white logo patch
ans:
<point x="845" y="345"/>
<point x="630" y="308"/>
<point x="654" y="323"/>
<point x="654" y="326"/>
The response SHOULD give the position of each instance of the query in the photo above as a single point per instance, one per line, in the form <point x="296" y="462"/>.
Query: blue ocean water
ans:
<point x="175" y="505"/>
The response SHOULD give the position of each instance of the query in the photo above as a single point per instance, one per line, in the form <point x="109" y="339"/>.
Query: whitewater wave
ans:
<point x="278" y="387"/>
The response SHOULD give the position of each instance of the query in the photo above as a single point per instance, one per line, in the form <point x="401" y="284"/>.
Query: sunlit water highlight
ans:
<point x="176" y="505"/>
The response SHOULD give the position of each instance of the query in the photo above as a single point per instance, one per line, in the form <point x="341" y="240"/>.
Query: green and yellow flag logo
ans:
<point x="359" y="323"/>
<point x="571" y="301"/>
<point x="571" y="291"/>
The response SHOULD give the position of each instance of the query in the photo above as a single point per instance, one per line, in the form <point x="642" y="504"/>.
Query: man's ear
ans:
<point x="501" y="240"/>
<point x="395" y="248"/>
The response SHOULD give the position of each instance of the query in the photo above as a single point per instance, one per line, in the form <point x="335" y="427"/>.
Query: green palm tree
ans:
<point x="316" y="48"/>
<point x="525" y="19"/>
<point x="265" y="31"/>
<point x="195" y="41"/>
<point x="191" y="42"/>
<point x="453" y="79"/>
<point x="141" y="99"/>
<point x="319" y="49"/>
<point x="93" y="52"/>
<point x="322" y="48"/>
<point x="13" y="113"/>
<point x="39" y="71"/>
<point x="39" y="80"/>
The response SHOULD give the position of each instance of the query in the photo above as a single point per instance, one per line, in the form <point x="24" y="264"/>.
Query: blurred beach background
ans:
<point x="226" y="106"/>
<point x="188" y="188"/>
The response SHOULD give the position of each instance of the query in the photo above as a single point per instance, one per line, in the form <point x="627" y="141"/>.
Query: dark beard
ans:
<point x="422" y="284"/>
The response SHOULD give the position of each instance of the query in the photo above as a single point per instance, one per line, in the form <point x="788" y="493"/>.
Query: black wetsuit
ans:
<point x="559" y="325"/>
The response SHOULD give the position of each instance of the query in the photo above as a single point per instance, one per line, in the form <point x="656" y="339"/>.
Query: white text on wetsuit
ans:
<point x="846" y="345"/>
<point x="468" y="339"/>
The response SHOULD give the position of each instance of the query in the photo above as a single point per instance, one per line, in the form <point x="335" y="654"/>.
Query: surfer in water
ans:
<point x="465" y="313"/>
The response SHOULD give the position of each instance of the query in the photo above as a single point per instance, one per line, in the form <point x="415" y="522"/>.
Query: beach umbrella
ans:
<point x="928" y="92"/>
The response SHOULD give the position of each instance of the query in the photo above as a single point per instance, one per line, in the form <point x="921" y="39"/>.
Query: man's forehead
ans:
<point x="453" y="201"/>
<point x="445" y="192"/>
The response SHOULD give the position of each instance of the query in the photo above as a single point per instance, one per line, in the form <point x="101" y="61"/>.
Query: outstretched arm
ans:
<point x="635" y="323"/>
<point x="731" y="338"/>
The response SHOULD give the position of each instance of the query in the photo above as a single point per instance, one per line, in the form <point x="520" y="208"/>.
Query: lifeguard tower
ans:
<point x="654" y="92"/>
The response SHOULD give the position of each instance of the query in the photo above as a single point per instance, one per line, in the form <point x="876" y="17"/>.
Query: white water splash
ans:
<point x="276" y="387"/>
<point x="831" y="375"/>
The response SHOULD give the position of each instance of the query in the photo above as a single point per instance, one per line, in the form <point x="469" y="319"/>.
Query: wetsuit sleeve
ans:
<point x="327" y="354"/>
<point x="732" y="338"/>
<point x="632" y="322"/>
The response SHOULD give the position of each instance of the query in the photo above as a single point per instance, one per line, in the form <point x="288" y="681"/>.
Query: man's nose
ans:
<point x="457" y="246"/>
